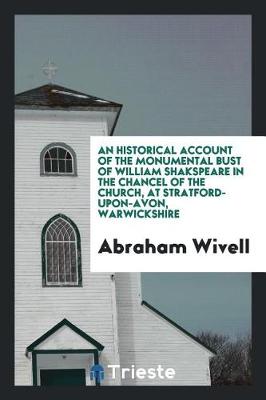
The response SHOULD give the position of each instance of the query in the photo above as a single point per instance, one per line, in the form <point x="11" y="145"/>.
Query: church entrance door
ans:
<point x="63" y="377"/>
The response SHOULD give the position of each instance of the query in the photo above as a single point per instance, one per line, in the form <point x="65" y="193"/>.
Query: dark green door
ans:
<point x="63" y="377"/>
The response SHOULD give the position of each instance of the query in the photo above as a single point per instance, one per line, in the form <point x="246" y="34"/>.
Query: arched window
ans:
<point x="61" y="255"/>
<point x="58" y="159"/>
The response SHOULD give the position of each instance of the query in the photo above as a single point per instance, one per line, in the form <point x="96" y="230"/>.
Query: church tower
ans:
<point x="53" y="284"/>
<point x="68" y="320"/>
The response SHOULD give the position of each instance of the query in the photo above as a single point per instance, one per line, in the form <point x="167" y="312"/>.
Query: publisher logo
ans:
<point x="141" y="373"/>
<point x="97" y="373"/>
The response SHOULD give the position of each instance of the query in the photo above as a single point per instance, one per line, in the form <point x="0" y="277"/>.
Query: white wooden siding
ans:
<point x="146" y="340"/>
<point x="37" y="199"/>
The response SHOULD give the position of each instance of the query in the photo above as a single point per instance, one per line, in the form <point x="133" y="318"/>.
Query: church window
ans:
<point x="58" y="159"/>
<point x="61" y="252"/>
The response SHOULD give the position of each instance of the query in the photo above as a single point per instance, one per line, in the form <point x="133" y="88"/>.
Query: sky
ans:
<point x="174" y="75"/>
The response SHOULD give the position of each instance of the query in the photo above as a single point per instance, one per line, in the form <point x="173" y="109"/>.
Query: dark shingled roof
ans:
<point x="59" y="97"/>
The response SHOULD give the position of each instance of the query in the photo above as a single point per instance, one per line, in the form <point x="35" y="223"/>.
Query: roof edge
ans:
<point x="64" y="321"/>
<point x="170" y="321"/>
<point x="116" y="119"/>
<point x="63" y="88"/>
<point x="114" y="107"/>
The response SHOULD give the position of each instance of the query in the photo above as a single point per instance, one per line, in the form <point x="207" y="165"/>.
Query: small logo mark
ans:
<point x="97" y="373"/>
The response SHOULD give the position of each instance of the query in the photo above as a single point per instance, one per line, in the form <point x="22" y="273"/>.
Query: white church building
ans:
<point x="67" y="319"/>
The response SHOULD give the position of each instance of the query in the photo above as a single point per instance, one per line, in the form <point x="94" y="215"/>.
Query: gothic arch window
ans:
<point x="58" y="159"/>
<point x="61" y="254"/>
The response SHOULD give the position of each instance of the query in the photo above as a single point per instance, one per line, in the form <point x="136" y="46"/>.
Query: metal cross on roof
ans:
<point x="49" y="69"/>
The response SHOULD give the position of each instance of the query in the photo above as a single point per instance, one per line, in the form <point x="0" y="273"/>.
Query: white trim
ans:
<point x="115" y="327"/>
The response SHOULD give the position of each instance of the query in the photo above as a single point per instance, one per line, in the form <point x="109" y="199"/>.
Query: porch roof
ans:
<point x="71" y="326"/>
